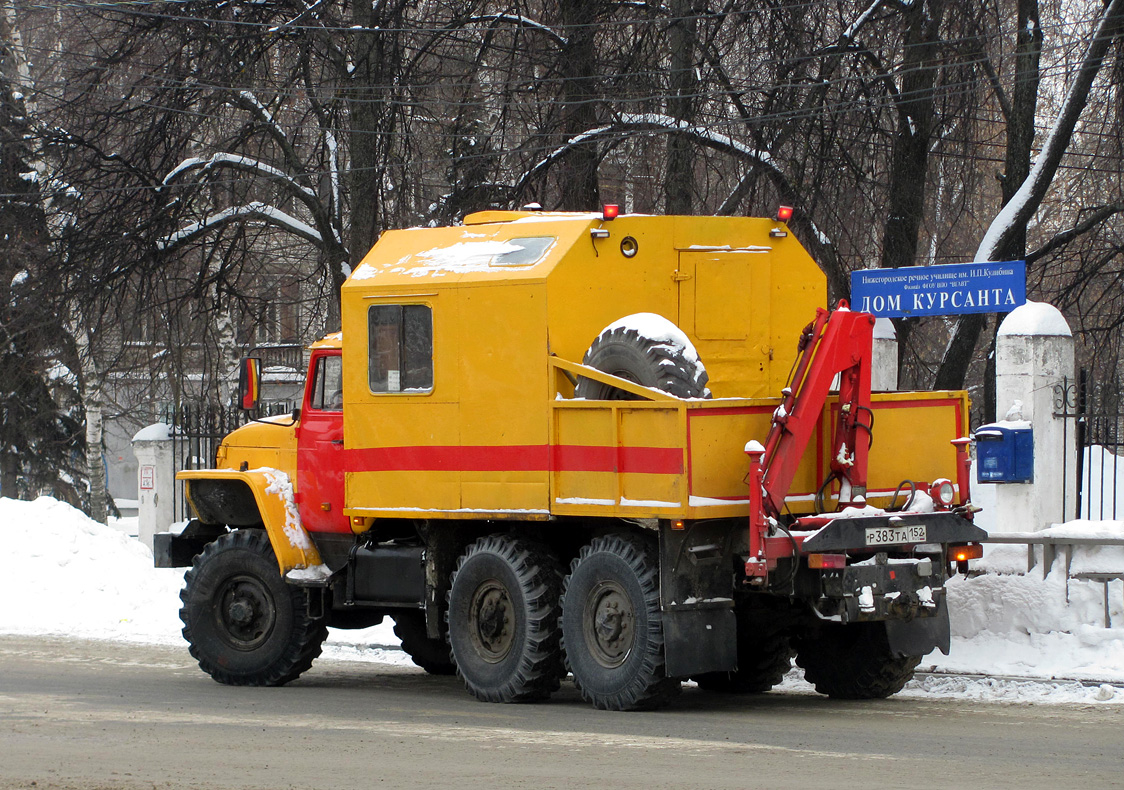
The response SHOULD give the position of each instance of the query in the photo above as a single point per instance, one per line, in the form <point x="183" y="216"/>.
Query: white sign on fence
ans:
<point x="147" y="477"/>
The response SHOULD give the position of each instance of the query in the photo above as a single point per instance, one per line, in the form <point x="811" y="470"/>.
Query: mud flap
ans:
<point x="699" y="640"/>
<point x="697" y="598"/>
<point x="918" y="637"/>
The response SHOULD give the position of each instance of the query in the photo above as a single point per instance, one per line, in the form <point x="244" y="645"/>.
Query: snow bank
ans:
<point x="64" y="574"/>
<point x="1010" y="622"/>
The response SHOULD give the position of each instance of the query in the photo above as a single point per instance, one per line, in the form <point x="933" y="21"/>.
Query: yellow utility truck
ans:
<point x="634" y="449"/>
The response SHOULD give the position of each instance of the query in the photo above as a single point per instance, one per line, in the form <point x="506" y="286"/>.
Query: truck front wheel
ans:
<point x="853" y="661"/>
<point x="243" y="624"/>
<point x="612" y="628"/>
<point x="503" y="620"/>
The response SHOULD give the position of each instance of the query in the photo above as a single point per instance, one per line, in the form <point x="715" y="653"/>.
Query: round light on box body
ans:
<point x="943" y="491"/>
<point x="629" y="247"/>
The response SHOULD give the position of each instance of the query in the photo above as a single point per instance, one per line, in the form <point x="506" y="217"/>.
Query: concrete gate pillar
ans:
<point x="156" y="481"/>
<point x="1034" y="353"/>
<point x="884" y="367"/>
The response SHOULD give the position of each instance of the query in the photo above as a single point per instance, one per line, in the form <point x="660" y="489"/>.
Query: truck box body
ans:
<point x="498" y="432"/>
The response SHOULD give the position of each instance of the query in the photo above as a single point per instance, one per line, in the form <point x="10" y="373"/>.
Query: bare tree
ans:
<point x="1007" y="231"/>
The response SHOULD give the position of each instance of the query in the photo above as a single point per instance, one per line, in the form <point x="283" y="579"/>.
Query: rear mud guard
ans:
<point x="922" y="635"/>
<point x="699" y="640"/>
<point x="697" y="598"/>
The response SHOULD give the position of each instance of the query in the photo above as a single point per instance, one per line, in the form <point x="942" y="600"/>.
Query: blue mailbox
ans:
<point x="1005" y="453"/>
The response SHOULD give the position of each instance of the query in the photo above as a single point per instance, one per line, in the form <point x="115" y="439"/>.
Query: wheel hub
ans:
<point x="245" y="613"/>
<point x="490" y="621"/>
<point x="241" y="612"/>
<point x="610" y="624"/>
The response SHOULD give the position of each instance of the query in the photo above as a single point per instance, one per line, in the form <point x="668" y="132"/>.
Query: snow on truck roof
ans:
<point x="490" y="245"/>
<point x="503" y="246"/>
<point x="334" y="340"/>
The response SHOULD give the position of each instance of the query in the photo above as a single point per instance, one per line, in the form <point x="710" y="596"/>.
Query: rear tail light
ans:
<point x="972" y="551"/>
<point x="784" y="213"/>
<point x="823" y="561"/>
<point x="610" y="211"/>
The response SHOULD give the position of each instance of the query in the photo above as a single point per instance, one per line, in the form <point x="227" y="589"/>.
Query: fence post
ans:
<point x="156" y="480"/>
<point x="1034" y="354"/>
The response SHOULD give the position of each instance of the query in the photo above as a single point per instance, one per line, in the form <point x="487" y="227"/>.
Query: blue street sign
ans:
<point x="951" y="289"/>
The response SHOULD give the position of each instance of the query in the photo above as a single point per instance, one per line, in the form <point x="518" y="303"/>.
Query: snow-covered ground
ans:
<point x="62" y="574"/>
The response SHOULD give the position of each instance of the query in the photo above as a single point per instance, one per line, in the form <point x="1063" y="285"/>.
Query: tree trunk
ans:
<point x="93" y="403"/>
<point x="679" y="183"/>
<point x="910" y="159"/>
<point x="1020" y="142"/>
<point x="9" y="475"/>
<point x="229" y="356"/>
<point x="95" y="464"/>
<point x="577" y="171"/>
<point x="371" y="116"/>
<point x="1024" y="106"/>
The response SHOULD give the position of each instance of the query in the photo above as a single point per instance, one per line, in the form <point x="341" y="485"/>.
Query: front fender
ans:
<point x="247" y="498"/>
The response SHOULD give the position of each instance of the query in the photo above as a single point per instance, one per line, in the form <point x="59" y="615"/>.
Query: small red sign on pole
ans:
<point x="147" y="477"/>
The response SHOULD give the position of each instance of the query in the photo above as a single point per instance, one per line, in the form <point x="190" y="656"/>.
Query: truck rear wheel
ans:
<point x="647" y="361"/>
<point x="503" y="620"/>
<point x="243" y="623"/>
<point x="612" y="628"/>
<point x="763" y="660"/>
<point x="432" y="655"/>
<point x="853" y="661"/>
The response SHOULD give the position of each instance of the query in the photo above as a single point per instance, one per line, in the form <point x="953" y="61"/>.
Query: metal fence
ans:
<point x="1094" y="412"/>
<point x="198" y="429"/>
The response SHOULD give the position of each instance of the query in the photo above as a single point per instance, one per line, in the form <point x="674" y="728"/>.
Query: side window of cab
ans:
<point x="400" y="344"/>
<point x="327" y="384"/>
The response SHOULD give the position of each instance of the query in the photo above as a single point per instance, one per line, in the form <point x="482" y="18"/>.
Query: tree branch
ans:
<point x="1099" y="215"/>
<point x="251" y="211"/>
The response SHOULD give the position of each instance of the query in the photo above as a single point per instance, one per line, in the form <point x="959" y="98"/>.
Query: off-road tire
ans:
<point x="627" y="354"/>
<point x="432" y="655"/>
<point x="763" y="660"/>
<point x="242" y="622"/>
<point x="503" y="620"/>
<point x="612" y="628"/>
<point x="853" y="661"/>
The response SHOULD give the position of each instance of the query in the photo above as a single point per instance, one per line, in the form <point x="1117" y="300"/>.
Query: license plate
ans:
<point x="885" y="536"/>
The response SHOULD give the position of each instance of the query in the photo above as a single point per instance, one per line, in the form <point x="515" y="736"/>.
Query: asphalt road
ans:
<point x="94" y="716"/>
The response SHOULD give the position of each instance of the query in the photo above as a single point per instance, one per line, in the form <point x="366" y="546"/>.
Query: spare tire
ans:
<point x="646" y="349"/>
